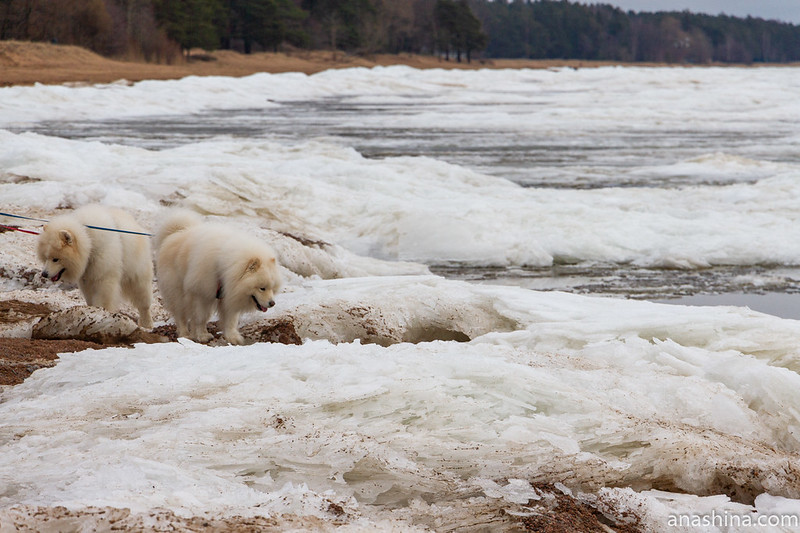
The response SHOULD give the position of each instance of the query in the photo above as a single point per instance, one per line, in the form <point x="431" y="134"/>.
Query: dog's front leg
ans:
<point x="201" y="310"/>
<point x="230" y="321"/>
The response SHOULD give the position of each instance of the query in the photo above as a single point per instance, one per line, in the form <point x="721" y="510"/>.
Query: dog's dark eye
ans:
<point x="55" y="260"/>
<point x="262" y="289"/>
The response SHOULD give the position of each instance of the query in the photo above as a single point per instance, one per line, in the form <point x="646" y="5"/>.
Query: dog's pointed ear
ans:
<point x="66" y="237"/>
<point x="254" y="264"/>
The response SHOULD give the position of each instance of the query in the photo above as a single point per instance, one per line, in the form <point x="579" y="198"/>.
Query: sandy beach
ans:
<point x="26" y="63"/>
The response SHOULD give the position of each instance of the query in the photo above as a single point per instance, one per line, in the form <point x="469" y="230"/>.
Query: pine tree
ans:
<point x="458" y="28"/>
<point x="190" y="23"/>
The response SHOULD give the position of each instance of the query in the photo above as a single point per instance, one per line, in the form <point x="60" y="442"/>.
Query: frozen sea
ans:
<point x="642" y="183"/>
<point x="511" y="230"/>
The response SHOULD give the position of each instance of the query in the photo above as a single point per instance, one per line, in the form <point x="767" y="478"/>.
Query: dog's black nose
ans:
<point x="271" y="303"/>
<point x="45" y="275"/>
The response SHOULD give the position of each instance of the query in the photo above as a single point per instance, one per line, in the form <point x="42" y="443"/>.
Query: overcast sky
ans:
<point x="784" y="10"/>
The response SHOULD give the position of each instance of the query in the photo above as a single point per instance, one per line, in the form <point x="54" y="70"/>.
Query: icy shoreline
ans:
<point x="592" y="392"/>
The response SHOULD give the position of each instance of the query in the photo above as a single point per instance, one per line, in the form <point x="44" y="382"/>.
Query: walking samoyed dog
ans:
<point x="104" y="264"/>
<point x="201" y="265"/>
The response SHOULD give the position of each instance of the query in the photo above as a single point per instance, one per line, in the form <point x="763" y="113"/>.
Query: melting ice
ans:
<point x="415" y="396"/>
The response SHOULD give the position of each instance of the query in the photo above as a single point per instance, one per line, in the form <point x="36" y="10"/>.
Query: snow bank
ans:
<point x="593" y="392"/>
<point x="414" y="209"/>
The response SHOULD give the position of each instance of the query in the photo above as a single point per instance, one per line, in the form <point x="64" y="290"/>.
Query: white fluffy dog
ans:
<point x="201" y="265"/>
<point x="104" y="264"/>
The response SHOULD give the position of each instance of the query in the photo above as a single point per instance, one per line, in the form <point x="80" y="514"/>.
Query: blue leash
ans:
<point x="88" y="226"/>
<point x="20" y="216"/>
<point x="120" y="231"/>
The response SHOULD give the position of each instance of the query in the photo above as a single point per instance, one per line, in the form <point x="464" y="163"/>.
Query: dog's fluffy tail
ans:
<point x="177" y="220"/>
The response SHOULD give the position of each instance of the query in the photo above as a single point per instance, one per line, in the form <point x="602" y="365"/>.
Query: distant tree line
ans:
<point x="561" y="29"/>
<point x="158" y="30"/>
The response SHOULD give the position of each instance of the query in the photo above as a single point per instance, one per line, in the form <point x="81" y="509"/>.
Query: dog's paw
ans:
<point x="234" y="338"/>
<point x="203" y="336"/>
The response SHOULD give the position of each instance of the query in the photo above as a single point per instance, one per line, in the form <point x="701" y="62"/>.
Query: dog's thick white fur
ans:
<point x="106" y="265"/>
<point x="202" y="265"/>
